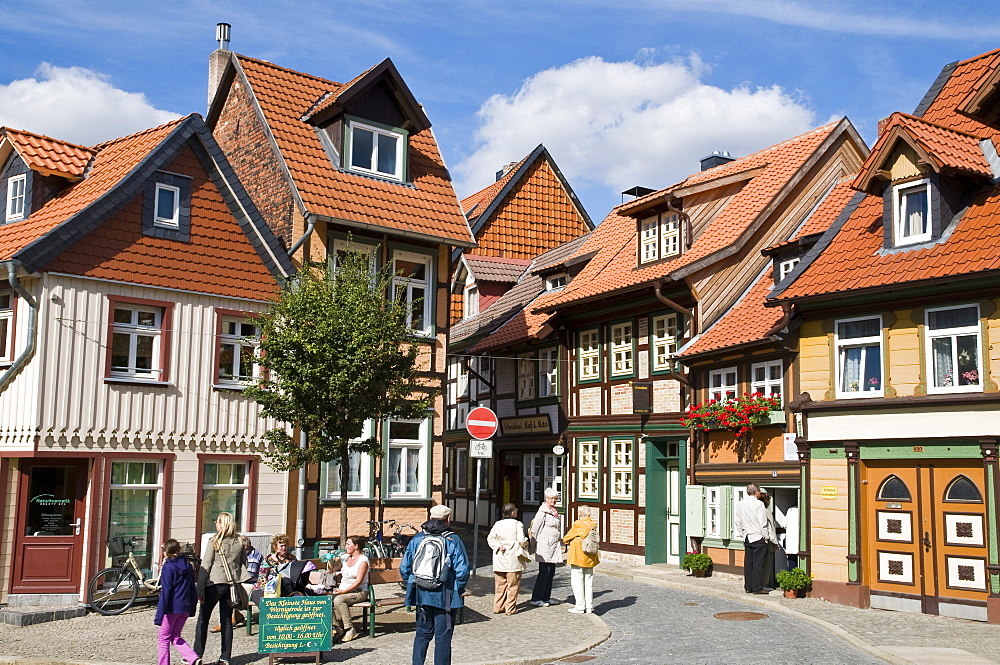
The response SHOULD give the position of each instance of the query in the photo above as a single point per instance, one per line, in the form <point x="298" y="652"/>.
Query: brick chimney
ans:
<point x="218" y="60"/>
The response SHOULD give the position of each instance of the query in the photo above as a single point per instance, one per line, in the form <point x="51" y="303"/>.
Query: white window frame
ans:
<point x="377" y="131"/>
<point x="723" y="384"/>
<point x="552" y="470"/>
<point x="713" y="512"/>
<point x="526" y="376"/>
<point x="531" y="489"/>
<point x="157" y="488"/>
<point x="588" y="469"/>
<point x="470" y="299"/>
<point x="240" y="342"/>
<point x="8" y="305"/>
<point x="244" y="487"/>
<point x="134" y="331"/>
<point x="622" y="469"/>
<point x="954" y="334"/>
<point x="421" y="445"/>
<point x="556" y="281"/>
<point x="340" y="245"/>
<point x="670" y="235"/>
<point x="840" y="348"/>
<point x="16" y="202"/>
<point x="768" y="385"/>
<point x="548" y="372"/>
<point x="786" y="266"/>
<point x="899" y="212"/>
<point x="665" y="332"/>
<point x="172" y="222"/>
<point x="462" y="379"/>
<point x="739" y="493"/>
<point x="649" y="239"/>
<point x="332" y="471"/>
<point x="589" y="353"/>
<point x="461" y="469"/>
<point x="622" y="349"/>
<point x="402" y="282"/>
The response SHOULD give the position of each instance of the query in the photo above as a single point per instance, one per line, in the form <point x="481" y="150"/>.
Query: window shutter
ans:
<point x="695" y="511"/>
<point x="726" y="510"/>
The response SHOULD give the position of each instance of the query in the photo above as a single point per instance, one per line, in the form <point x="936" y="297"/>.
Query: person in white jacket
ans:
<point x="510" y="554"/>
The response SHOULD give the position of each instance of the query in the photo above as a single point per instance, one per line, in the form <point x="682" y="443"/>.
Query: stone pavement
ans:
<point x="901" y="638"/>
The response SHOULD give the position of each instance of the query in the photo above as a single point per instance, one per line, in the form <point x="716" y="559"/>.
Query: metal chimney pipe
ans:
<point x="222" y="31"/>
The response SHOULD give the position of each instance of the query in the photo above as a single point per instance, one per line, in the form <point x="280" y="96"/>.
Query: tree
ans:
<point x="335" y="351"/>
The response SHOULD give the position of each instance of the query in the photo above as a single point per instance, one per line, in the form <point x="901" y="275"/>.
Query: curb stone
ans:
<point x="602" y="633"/>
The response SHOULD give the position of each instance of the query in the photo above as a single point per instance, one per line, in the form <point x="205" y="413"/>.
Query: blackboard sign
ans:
<point x="295" y="623"/>
<point x="642" y="397"/>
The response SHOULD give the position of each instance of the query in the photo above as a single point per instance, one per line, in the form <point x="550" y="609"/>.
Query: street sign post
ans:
<point x="482" y="424"/>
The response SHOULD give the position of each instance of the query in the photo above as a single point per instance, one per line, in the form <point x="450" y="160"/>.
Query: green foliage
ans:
<point x="335" y="352"/>
<point x="696" y="561"/>
<point x="794" y="579"/>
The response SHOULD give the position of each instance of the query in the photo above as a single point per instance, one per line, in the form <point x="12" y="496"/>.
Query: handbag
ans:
<point x="238" y="598"/>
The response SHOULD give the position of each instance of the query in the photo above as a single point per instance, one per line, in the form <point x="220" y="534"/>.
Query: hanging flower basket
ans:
<point x="736" y="415"/>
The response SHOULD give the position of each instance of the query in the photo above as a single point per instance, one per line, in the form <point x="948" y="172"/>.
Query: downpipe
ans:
<point x="29" y="350"/>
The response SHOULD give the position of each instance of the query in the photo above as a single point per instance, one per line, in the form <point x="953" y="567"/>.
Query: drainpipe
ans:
<point x="657" y="285"/>
<point x="29" y="350"/>
<point x="788" y="311"/>
<point x="687" y="222"/>
<point x="310" y="225"/>
<point x="300" y="512"/>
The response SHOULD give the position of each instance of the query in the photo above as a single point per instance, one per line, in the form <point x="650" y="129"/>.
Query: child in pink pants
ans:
<point x="178" y="600"/>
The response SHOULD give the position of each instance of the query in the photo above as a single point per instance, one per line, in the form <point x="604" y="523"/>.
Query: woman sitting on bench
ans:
<point x="353" y="587"/>
<point x="281" y="562"/>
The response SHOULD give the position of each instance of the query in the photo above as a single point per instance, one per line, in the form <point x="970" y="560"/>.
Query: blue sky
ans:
<point x="622" y="94"/>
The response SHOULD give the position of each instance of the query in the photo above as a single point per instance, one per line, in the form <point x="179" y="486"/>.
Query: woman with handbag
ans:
<point x="546" y="529"/>
<point x="510" y="554"/>
<point x="218" y="584"/>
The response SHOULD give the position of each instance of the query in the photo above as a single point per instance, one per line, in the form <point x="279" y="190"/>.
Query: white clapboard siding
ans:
<point x="19" y="401"/>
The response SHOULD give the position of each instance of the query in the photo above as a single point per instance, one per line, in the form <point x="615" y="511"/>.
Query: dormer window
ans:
<point x="375" y="150"/>
<point x="786" y="266"/>
<point x="471" y="300"/>
<point x="167" y="206"/>
<point x="556" y="281"/>
<point x="166" y="211"/>
<point x="659" y="237"/>
<point x="16" y="189"/>
<point x="912" y="212"/>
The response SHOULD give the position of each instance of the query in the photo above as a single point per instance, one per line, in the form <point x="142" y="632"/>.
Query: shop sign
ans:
<point x="642" y="397"/>
<point x="526" y="425"/>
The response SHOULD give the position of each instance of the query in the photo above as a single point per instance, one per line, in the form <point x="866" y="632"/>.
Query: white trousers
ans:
<point x="582" y="581"/>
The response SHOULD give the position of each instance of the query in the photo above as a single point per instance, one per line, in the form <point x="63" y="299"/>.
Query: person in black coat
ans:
<point x="178" y="600"/>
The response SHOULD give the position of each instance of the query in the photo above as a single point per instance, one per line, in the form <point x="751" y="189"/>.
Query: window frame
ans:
<point x="402" y="141"/>
<point x="470" y="300"/>
<point x="8" y="325"/>
<point x="428" y="284"/>
<point x="718" y="393"/>
<point x="337" y="242"/>
<point x="249" y="518"/>
<point x="624" y="469"/>
<point x="839" y="346"/>
<point x="583" y="469"/>
<point x="158" y="493"/>
<point x="667" y="233"/>
<point x="461" y="470"/>
<point x="659" y="237"/>
<point x="526" y="377"/>
<point x="178" y="229"/>
<point x="172" y="222"/>
<point x="786" y="266"/>
<point x="423" y="444"/>
<point x="22" y="179"/>
<point x="655" y="341"/>
<point x="898" y="212"/>
<point x="366" y="472"/>
<point x="589" y="358"/>
<point x="533" y="471"/>
<point x="768" y="382"/>
<point x="222" y="316"/>
<point x="556" y="281"/>
<point x="627" y="369"/>
<point x="548" y="373"/>
<point x="162" y="345"/>
<point x="954" y="333"/>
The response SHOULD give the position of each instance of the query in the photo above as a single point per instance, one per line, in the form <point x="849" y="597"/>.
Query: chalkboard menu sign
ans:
<point x="295" y="623"/>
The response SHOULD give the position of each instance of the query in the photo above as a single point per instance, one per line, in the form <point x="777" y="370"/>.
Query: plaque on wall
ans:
<point x="642" y="397"/>
<point x="539" y="424"/>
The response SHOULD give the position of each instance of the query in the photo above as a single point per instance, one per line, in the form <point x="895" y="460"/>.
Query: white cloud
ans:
<point x="77" y="105"/>
<point x="619" y="124"/>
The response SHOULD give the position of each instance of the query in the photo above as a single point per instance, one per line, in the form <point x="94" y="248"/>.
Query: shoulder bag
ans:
<point x="237" y="594"/>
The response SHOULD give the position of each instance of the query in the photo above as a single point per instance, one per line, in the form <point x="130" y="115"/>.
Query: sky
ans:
<point x="621" y="93"/>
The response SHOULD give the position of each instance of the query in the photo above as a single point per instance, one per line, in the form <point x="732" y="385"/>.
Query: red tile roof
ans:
<point x="428" y="208"/>
<point x="614" y="268"/>
<point x="474" y="204"/>
<point x="963" y="80"/>
<point x="825" y="213"/>
<point x="495" y="269"/>
<point x="48" y="155"/>
<point x="745" y="323"/>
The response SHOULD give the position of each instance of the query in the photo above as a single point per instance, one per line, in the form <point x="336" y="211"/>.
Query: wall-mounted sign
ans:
<point x="791" y="450"/>
<point x="829" y="493"/>
<point x="558" y="449"/>
<point x="539" y="424"/>
<point x="642" y="397"/>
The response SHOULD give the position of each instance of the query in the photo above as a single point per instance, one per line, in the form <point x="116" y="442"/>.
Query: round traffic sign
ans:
<point x="481" y="423"/>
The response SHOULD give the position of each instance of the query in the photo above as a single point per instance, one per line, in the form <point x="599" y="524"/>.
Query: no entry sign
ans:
<point x="481" y="423"/>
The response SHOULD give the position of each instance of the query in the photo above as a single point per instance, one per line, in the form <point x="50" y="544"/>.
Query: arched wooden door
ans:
<point x="925" y="537"/>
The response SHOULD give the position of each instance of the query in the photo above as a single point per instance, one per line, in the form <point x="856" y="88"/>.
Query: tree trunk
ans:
<point x="345" y="472"/>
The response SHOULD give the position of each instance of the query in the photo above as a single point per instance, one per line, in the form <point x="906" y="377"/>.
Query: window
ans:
<point x="659" y="237"/>
<point x="766" y="378"/>
<point x="893" y="489"/>
<point x="713" y="511"/>
<point x="413" y="276"/>
<point x="621" y="349"/>
<point x="590" y="355"/>
<point x="238" y="343"/>
<point x="166" y="206"/>
<point x="963" y="490"/>
<point x="340" y="247"/>
<point x="859" y="357"/>
<point x="548" y="372"/>
<point x="358" y="471"/>
<point x="912" y="209"/>
<point x="588" y="469"/>
<point x="224" y="488"/>
<point x="16" y="194"/>
<point x="7" y="301"/>
<point x="532" y="483"/>
<point x="670" y="236"/>
<point x="135" y="495"/>
<point x="461" y="469"/>
<point x="557" y="281"/>
<point x="786" y="267"/>
<point x="722" y="384"/>
<point x="406" y="466"/>
<point x="554" y="475"/>
<point x="953" y="345"/>
<point x="136" y="342"/>
<point x="526" y="376"/>
<point x="649" y="241"/>
<point x="471" y="300"/>
<point x="664" y="340"/>
<point x="376" y="151"/>
<point x="621" y="469"/>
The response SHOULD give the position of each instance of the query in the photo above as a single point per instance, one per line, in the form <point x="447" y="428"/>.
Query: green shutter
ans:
<point x="695" y="511"/>
<point x="726" y="512"/>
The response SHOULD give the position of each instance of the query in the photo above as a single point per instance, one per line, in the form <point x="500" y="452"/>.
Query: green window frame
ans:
<point x="588" y="469"/>
<point x="621" y="349"/>
<point x="621" y="469"/>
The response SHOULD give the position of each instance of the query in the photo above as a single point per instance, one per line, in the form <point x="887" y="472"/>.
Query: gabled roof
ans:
<point x="46" y="155"/>
<point x="495" y="269"/>
<point x="746" y="323"/>
<point x="768" y="175"/>
<point x="425" y="208"/>
<point x="940" y="147"/>
<point x="117" y="175"/>
<point x="956" y="86"/>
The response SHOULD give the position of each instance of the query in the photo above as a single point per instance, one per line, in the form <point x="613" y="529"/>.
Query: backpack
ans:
<point x="431" y="563"/>
<point x="591" y="543"/>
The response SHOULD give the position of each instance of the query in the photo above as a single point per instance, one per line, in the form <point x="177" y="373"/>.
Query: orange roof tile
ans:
<point x="960" y="84"/>
<point x="826" y="211"/>
<point x="615" y="268"/>
<point x="48" y="155"/>
<point x="745" y="323"/>
<point x="484" y="196"/>
<point x="427" y="206"/>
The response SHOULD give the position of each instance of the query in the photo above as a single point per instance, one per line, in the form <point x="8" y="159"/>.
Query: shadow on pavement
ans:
<point x="615" y="604"/>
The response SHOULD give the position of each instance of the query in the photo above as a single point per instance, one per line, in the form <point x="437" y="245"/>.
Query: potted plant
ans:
<point x="794" y="581"/>
<point x="737" y="415"/>
<point x="697" y="563"/>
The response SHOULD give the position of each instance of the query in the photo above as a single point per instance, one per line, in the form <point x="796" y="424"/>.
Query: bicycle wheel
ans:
<point x="112" y="591"/>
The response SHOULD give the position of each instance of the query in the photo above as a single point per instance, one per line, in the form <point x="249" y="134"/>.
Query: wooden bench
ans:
<point x="378" y="577"/>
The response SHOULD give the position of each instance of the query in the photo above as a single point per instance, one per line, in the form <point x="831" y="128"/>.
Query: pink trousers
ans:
<point x="170" y="633"/>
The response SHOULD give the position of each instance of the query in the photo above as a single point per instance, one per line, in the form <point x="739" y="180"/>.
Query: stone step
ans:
<point x="26" y="615"/>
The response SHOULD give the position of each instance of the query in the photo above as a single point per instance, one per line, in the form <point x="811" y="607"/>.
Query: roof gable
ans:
<point x="45" y="155"/>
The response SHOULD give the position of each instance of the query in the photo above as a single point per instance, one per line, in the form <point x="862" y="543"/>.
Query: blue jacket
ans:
<point x="178" y="594"/>
<point x="450" y="593"/>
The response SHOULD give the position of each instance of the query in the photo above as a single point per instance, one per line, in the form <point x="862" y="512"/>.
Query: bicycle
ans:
<point x="400" y="540"/>
<point x="376" y="548"/>
<point x="114" y="590"/>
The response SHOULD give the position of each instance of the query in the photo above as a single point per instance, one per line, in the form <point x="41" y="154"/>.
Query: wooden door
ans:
<point x="48" y="552"/>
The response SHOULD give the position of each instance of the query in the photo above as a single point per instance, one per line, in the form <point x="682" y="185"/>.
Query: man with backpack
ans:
<point x="436" y="569"/>
<point x="584" y="542"/>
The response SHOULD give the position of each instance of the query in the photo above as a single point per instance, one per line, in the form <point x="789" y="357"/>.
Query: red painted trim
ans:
<point x="166" y="329"/>
<point x="32" y="454"/>
<point x="253" y="461"/>
<point x="4" y="470"/>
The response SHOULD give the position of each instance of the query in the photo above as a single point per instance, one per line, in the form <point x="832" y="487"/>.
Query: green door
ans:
<point x="664" y="500"/>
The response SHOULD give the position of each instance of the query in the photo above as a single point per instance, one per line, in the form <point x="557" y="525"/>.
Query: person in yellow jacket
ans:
<point x="581" y="563"/>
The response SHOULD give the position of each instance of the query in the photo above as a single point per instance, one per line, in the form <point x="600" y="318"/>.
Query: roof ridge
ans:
<point x="107" y="144"/>
<point x="240" y="56"/>
<point x="43" y="136"/>
<point x="977" y="57"/>
<point x="910" y="116"/>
